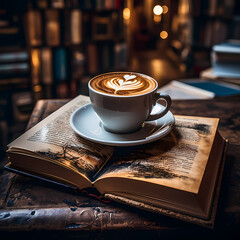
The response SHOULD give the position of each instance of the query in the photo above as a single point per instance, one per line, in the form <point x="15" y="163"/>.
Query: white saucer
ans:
<point x="85" y="122"/>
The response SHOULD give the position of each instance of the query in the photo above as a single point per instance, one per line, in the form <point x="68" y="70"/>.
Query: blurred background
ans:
<point x="51" y="48"/>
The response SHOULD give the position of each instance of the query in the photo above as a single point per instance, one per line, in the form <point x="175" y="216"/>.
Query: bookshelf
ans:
<point x="51" y="49"/>
<point x="15" y="87"/>
<point x="71" y="41"/>
<point x="201" y="24"/>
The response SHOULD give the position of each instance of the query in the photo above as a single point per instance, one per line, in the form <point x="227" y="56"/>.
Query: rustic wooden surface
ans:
<point x="32" y="207"/>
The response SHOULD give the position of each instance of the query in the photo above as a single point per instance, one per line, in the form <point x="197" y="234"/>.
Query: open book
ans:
<point x="176" y="175"/>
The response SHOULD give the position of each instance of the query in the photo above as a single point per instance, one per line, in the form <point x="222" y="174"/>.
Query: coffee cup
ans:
<point x="124" y="100"/>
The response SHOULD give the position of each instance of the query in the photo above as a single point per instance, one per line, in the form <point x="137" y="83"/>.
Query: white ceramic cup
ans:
<point x="125" y="114"/>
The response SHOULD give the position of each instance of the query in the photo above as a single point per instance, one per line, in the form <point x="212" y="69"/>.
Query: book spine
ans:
<point x="60" y="64"/>
<point x="40" y="4"/>
<point x="46" y="60"/>
<point x="61" y="73"/>
<point x="36" y="66"/>
<point x="34" y="23"/>
<point x="14" y="57"/>
<point x="212" y="7"/>
<point x="76" y="26"/>
<point x="11" y="68"/>
<point x="52" y="27"/>
<point x="59" y="4"/>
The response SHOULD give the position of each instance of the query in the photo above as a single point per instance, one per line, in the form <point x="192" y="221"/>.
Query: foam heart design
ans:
<point x="128" y="77"/>
<point x="128" y="84"/>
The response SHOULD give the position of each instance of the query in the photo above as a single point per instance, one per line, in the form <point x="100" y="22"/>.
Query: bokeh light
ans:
<point x="157" y="10"/>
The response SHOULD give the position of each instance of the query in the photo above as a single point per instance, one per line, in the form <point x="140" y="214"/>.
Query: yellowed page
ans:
<point x="178" y="160"/>
<point x="54" y="138"/>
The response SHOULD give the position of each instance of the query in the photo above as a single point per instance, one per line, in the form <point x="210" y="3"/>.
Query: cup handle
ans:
<point x="163" y="110"/>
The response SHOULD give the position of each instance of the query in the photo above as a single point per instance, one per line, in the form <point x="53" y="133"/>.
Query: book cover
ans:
<point x="218" y="88"/>
<point x="228" y="47"/>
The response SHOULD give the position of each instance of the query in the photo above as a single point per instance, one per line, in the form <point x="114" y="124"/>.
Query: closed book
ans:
<point x="225" y="59"/>
<point x="227" y="47"/>
<point x="230" y="70"/>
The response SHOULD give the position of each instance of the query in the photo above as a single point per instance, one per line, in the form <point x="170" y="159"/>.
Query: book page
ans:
<point x="54" y="138"/>
<point x="177" y="160"/>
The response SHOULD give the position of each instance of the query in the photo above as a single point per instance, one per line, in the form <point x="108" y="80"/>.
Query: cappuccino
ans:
<point x="123" y="84"/>
<point x="123" y="101"/>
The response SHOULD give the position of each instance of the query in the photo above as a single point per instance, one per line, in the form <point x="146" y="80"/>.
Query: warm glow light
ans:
<point x="157" y="10"/>
<point x="37" y="88"/>
<point x="157" y="18"/>
<point x="126" y="13"/>
<point x="184" y="7"/>
<point x="165" y="9"/>
<point x="35" y="58"/>
<point x="163" y="34"/>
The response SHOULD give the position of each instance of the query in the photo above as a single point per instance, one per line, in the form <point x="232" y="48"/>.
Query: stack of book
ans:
<point x="226" y="59"/>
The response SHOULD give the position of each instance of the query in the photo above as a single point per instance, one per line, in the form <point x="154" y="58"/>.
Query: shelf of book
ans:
<point x="51" y="48"/>
<point x="72" y="41"/>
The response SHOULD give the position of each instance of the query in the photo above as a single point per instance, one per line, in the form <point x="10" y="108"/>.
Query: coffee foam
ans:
<point x="126" y="84"/>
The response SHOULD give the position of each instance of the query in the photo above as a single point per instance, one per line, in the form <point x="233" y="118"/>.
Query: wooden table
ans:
<point x="30" y="207"/>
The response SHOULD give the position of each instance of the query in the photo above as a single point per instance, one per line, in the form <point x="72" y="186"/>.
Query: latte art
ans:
<point x="118" y="84"/>
<point x="123" y="84"/>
